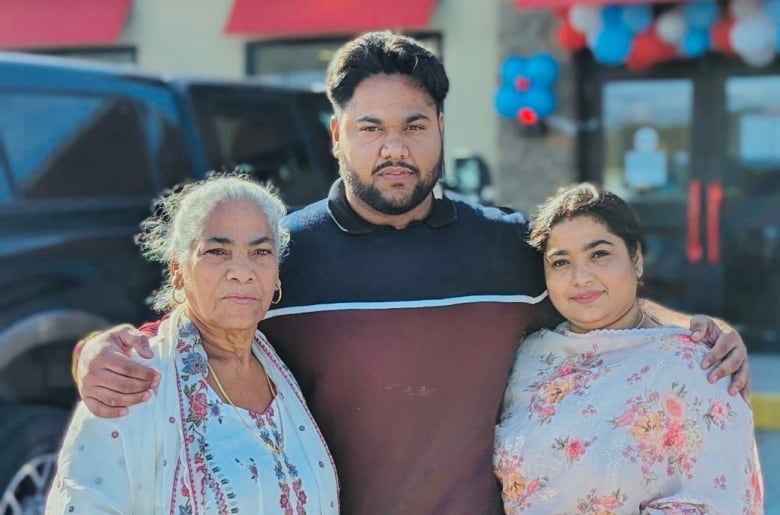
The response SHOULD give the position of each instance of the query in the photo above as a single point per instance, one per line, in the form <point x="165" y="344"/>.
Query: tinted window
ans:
<point x="264" y="139"/>
<point x="5" y="188"/>
<point x="61" y="146"/>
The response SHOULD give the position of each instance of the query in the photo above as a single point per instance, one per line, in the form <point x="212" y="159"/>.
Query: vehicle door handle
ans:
<point x="693" y="247"/>
<point x="714" y="202"/>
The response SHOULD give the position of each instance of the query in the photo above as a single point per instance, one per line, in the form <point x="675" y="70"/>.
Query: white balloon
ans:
<point x="760" y="59"/>
<point x="671" y="26"/>
<point x="586" y="18"/>
<point x="751" y="36"/>
<point x="746" y="8"/>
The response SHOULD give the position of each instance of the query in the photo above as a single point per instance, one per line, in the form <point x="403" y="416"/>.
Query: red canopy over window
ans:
<point x="47" y="23"/>
<point x="274" y="17"/>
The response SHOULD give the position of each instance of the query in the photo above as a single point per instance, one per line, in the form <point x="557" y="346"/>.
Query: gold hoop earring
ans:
<point x="277" y="299"/>
<point x="177" y="301"/>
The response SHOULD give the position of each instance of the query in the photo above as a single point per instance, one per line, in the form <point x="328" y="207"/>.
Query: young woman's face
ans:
<point x="591" y="278"/>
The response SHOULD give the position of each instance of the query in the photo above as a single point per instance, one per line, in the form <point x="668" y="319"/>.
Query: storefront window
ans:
<point x="302" y="62"/>
<point x="647" y="135"/>
<point x="753" y="136"/>
<point x="113" y="55"/>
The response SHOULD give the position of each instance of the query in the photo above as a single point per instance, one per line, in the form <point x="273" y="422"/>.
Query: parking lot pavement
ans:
<point x="765" y="378"/>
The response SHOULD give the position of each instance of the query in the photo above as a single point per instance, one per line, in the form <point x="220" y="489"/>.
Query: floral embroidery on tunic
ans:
<point x="624" y="427"/>
<point x="560" y="377"/>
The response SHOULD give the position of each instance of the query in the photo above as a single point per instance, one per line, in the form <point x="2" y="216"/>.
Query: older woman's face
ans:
<point x="591" y="279"/>
<point x="232" y="274"/>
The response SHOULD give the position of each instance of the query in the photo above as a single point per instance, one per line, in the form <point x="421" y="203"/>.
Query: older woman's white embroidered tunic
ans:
<point x="187" y="452"/>
<point x="623" y="422"/>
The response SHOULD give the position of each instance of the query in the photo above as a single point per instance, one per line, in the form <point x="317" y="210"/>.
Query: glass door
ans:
<point x="744" y="207"/>
<point x="694" y="147"/>
<point x="646" y="136"/>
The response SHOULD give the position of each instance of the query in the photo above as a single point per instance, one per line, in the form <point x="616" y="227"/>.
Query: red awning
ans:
<point x="276" y="17"/>
<point x="53" y="23"/>
<point x="553" y="4"/>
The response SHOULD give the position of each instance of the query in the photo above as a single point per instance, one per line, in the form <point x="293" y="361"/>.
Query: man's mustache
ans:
<point x="395" y="164"/>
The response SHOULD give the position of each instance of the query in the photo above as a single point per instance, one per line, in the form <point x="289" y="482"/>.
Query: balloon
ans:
<point x="542" y="69"/>
<point x="648" y="49"/>
<point x="772" y="10"/>
<point x="612" y="45"/>
<point x="541" y="100"/>
<point x="508" y="101"/>
<point x="752" y="36"/>
<point x="778" y="41"/>
<point x="720" y="35"/>
<point x="746" y="8"/>
<point x="638" y="17"/>
<point x="701" y="14"/>
<point x="568" y="37"/>
<point x="671" y="26"/>
<point x="512" y="67"/>
<point x="761" y="58"/>
<point x="612" y="14"/>
<point x="585" y="18"/>
<point x="695" y="43"/>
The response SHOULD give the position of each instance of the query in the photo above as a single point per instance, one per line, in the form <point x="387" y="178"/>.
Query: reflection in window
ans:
<point x="647" y="126"/>
<point x="60" y="146"/>
<point x="262" y="139"/>
<point x="753" y="164"/>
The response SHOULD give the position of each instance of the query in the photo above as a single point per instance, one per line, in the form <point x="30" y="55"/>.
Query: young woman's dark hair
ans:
<point x="377" y="53"/>
<point x="587" y="200"/>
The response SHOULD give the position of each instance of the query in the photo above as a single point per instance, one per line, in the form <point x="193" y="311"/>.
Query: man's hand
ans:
<point x="108" y="379"/>
<point x="727" y="348"/>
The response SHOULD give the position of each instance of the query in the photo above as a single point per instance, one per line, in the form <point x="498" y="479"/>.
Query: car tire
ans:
<point x="30" y="437"/>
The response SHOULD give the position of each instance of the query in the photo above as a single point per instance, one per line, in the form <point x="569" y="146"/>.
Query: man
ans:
<point x="402" y="311"/>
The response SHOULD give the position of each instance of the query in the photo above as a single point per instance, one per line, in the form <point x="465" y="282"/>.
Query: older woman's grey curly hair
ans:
<point x="179" y="216"/>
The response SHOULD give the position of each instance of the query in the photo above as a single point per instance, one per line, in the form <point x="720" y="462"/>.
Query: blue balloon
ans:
<point x="778" y="41"/>
<point x="701" y="14"/>
<point x="542" y="69"/>
<point x="541" y="100"/>
<point x="638" y="17"/>
<point x="612" y="45"/>
<point x="612" y="14"/>
<point x="512" y="67"/>
<point x="772" y="9"/>
<point x="509" y="101"/>
<point x="696" y="42"/>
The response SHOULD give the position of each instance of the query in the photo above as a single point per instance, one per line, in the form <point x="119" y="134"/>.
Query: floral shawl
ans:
<point x="156" y="459"/>
<point x="623" y="422"/>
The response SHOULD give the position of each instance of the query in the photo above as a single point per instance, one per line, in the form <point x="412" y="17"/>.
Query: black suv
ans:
<point x="83" y="150"/>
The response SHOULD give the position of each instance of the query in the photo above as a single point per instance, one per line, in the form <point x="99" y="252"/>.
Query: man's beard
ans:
<point x="372" y="196"/>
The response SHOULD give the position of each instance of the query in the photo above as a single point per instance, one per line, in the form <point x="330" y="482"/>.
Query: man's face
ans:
<point x="388" y="140"/>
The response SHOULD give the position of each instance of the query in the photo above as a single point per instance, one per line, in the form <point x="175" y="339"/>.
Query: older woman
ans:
<point x="609" y="413"/>
<point x="227" y="430"/>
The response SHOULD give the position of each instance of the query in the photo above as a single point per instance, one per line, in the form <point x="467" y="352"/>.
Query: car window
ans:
<point x="5" y="187"/>
<point x="66" y="146"/>
<point x="262" y="138"/>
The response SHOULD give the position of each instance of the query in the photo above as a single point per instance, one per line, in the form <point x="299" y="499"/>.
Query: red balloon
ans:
<point x="720" y="38"/>
<point x="568" y="37"/>
<point x="527" y="116"/>
<point x="648" y="49"/>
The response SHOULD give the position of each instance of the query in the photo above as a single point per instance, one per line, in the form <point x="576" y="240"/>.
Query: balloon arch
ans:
<point x="639" y="36"/>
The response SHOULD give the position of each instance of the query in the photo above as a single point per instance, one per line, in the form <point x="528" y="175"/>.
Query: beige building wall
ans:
<point x="469" y="30"/>
<point x="184" y="37"/>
